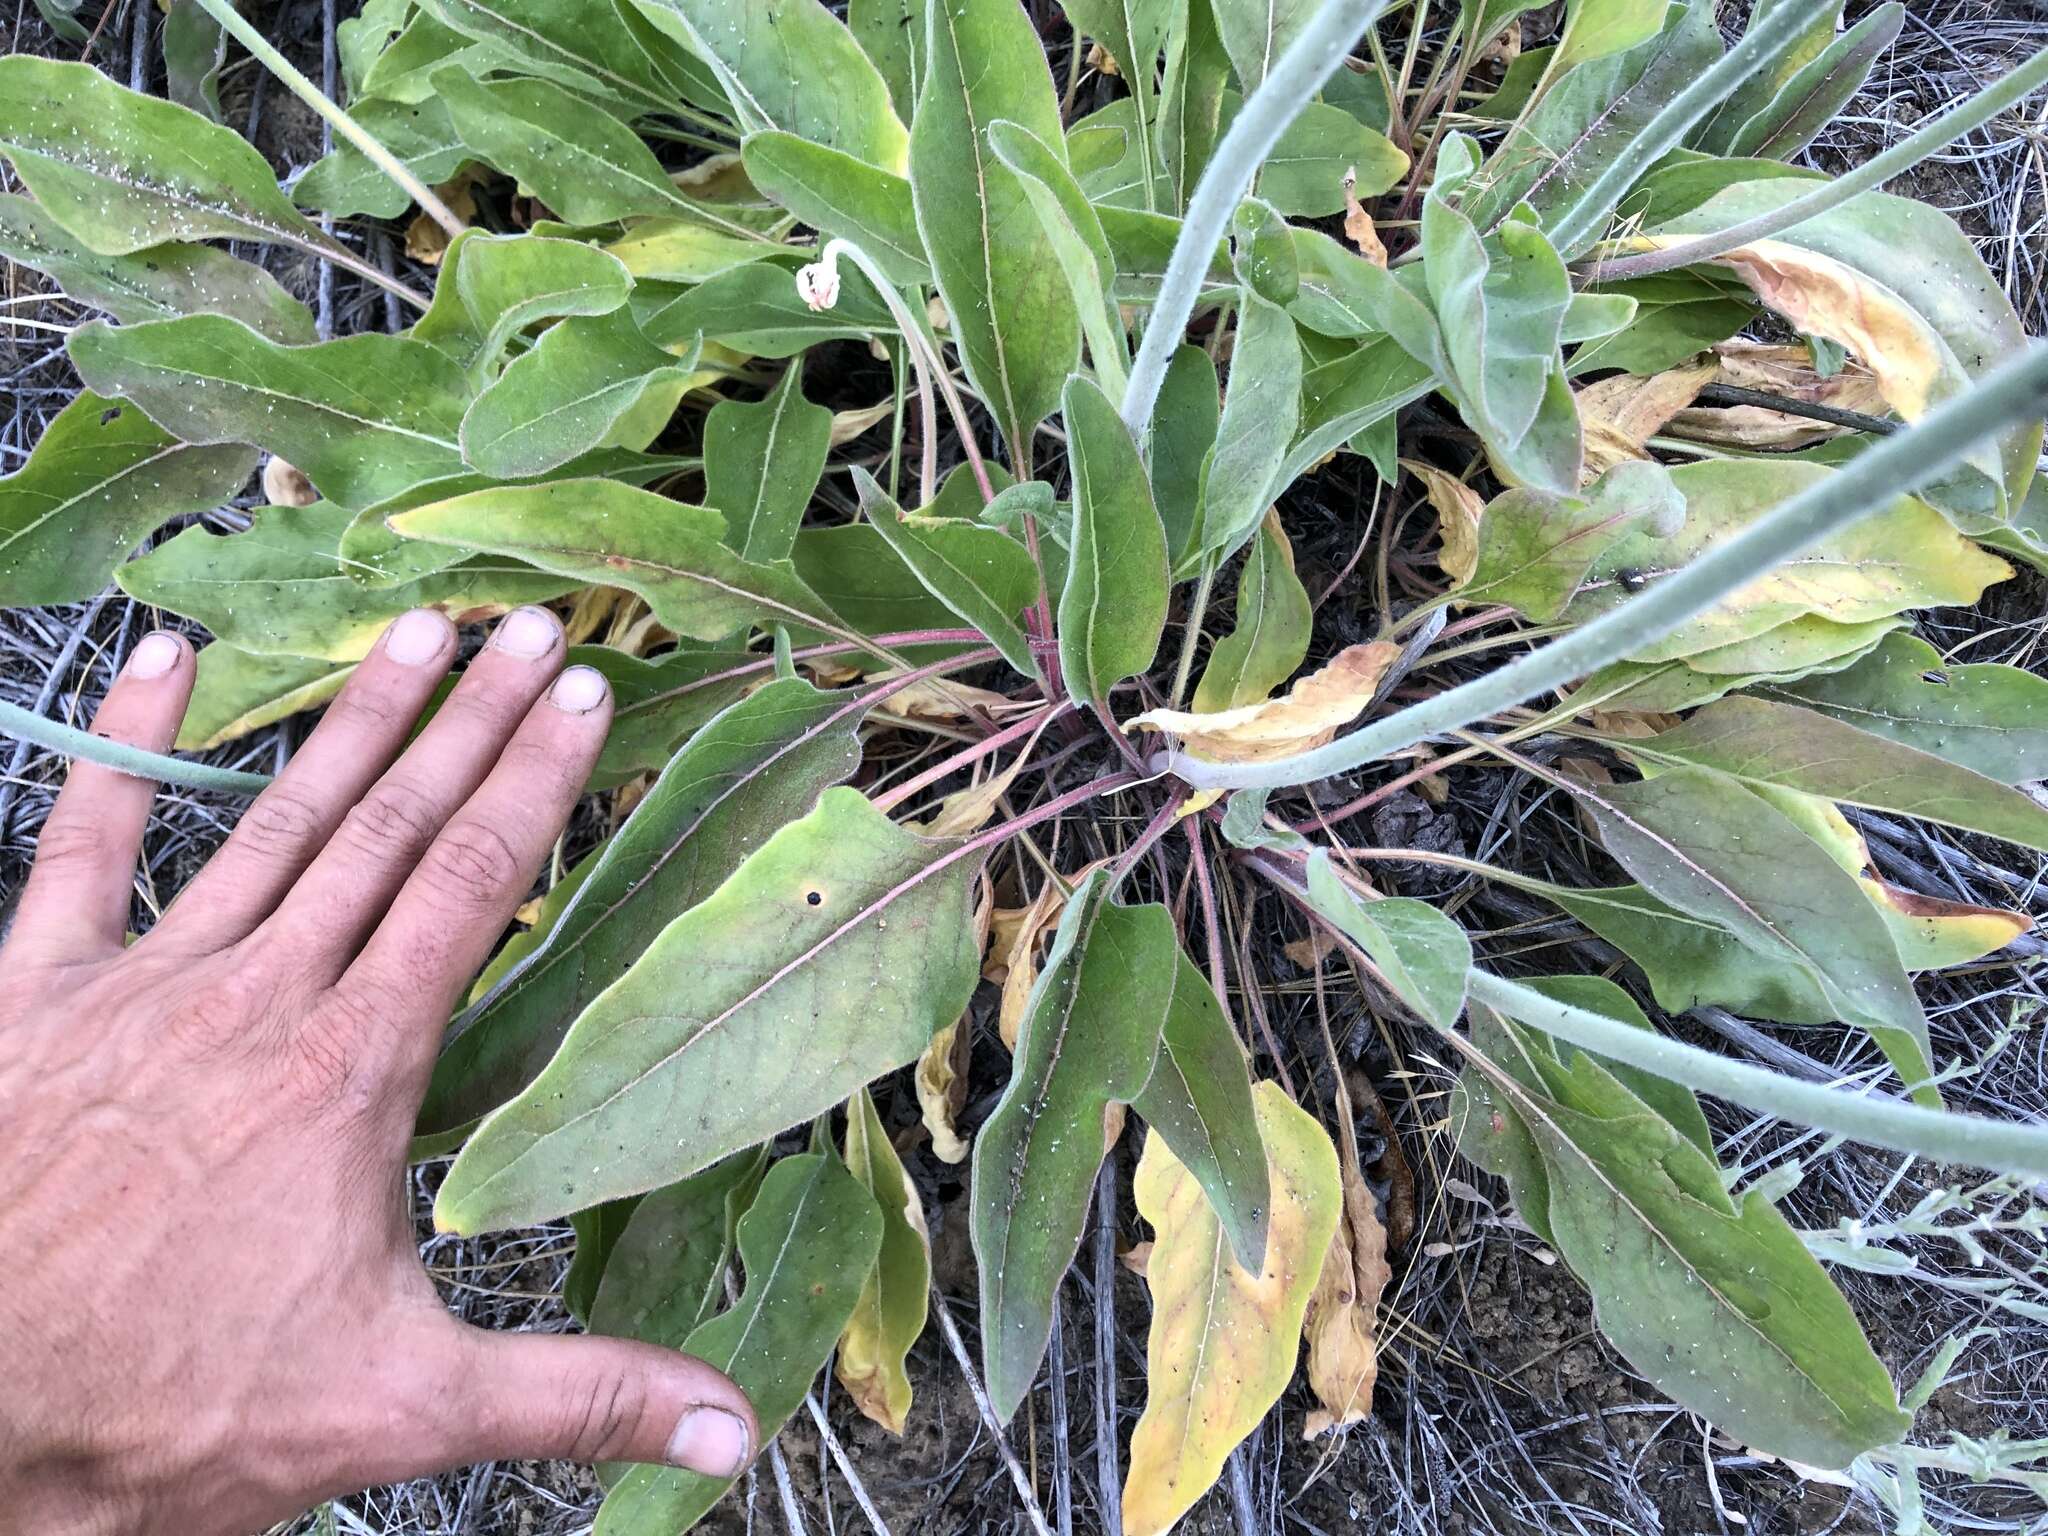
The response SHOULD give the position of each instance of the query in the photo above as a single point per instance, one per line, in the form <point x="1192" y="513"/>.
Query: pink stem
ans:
<point x="835" y="648"/>
<point x="968" y="755"/>
<point x="1155" y="829"/>
<point x="1211" y="928"/>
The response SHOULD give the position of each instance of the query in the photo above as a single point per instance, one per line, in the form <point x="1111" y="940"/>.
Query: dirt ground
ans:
<point x="1500" y="1408"/>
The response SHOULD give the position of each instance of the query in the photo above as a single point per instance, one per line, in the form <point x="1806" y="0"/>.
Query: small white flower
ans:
<point x="818" y="285"/>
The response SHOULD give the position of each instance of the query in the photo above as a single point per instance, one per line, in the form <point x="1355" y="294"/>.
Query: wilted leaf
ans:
<point x="761" y="464"/>
<point x="99" y="479"/>
<point x="891" y="1311"/>
<point x="1089" y="1040"/>
<point x="1223" y="1341"/>
<point x="1339" y="1325"/>
<point x="1306" y="716"/>
<point x="365" y="417"/>
<point x="941" y="1083"/>
<point x="1459" y="510"/>
<point x="806" y="1243"/>
<point x="1622" y="414"/>
<point x="1013" y="315"/>
<point x="1423" y="955"/>
<point x="1113" y="607"/>
<point x="1271" y="633"/>
<point x="732" y="1038"/>
<point x="753" y="768"/>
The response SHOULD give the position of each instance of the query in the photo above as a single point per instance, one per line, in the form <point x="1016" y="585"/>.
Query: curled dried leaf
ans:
<point x="1458" y="510"/>
<point x="286" y="485"/>
<point x="1359" y="228"/>
<point x="1623" y="413"/>
<point x="1306" y="716"/>
<point x="1343" y="1353"/>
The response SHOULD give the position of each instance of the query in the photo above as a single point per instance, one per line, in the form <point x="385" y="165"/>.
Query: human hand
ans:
<point x="215" y="1314"/>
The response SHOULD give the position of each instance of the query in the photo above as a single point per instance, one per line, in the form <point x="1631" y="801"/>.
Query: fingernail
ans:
<point x="155" y="655"/>
<point x="708" y="1440"/>
<point x="528" y="633"/>
<point x="417" y="638"/>
<point x="578" y="690"/>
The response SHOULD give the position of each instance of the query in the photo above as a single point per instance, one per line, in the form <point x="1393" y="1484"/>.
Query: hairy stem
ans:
<point x="134" y="761"/>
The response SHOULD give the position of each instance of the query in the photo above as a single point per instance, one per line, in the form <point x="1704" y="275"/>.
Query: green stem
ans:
<point x="2016" y="392"/>
<point x="258" y="45"/>
<point x="1959" y="120"/>
<point x="1191" y="633"/>
<point x="83" y="745"/>
<point x="1309" y="60"/>
<point x="1942" y="1136"/>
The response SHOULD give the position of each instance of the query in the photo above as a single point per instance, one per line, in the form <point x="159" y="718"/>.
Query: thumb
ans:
<point x="573" y="1397"/>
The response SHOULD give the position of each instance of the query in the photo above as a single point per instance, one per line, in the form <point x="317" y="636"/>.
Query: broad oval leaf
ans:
<point x="837" y="194"/>
<point x="1422" y="954"/>
<point x="756" y="766"/>
<point x="596" y="46"/>
<point x="1223" y="1340"/>
<point x="1113" y="606"/>
<point x="1088" y="1040"/>
<point x="237" y="692"/>
<point x="663" y="1271"/>
<point x="832" y="954"/>
<point x="99" y="479"/>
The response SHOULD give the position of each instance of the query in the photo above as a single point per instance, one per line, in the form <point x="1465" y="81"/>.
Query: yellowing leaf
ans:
<point x="941" y="1082"/>
<point x="1623" y="413"/>
<point x="1830" y="298"/>
<point x="1343" y="1359"/>
<point x="891" y="1311"/>
<point x="1788" y="372"/>
<point x="1458" y="509"/>
<point x="1021" y="964"/>
<point x="1222" y="1343"/>
<point x="1933" y="934"/>
<point x="1308" y="715"/>
<point x="1359" y="228"/>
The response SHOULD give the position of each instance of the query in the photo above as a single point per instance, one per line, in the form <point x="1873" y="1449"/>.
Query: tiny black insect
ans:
<point x="1632" y="580"/>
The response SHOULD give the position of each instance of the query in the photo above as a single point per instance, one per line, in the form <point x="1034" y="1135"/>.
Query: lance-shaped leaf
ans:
<point x="761" y="464"/>
<point x="1113" y="607"/>
<point x="670" y="553"/>
<point x="806" y="1243"/>
<point x="1303" y="175"/>
<point x="1133" y="32"/>
<point x="1422" y="954"/>
<point x="565" y="395"/>
<point x="753" y="768"/>
<point x="980" y="573"/>
<point x="1261" y="410"/>
<point x="420" y="136"/>
<point x="1075" y="231"/>
<point x="365" y="417"/>
<point x="99" y="479"/>
<point x="1183" y="432"/>
<point x="237" y="693"/>
<point x="1223" y="1340"/>
<point x="1703" y="843"/>
<point x="836" y="194"/>
<point x="158" y="282"/>
<point x="1191" y="99"/>
<point x="492" y="287"/>
<point x="276" y="589"/>
<point x="1778" y="122"/>
<point x="1986" y="717"/>
<point x="122" y="171"/>
<point x="832" y="954"/>
<point x="1306" y="716"/>
<point x="664" y="1267"/>
<point x="1199" y="1100"/>
<point x="585" y="164"/>
<point x="1271" y="634"/>
<point x="596" y="46"/>
<point x="793" y="65"/>
<point x="892" y="33"/>
<point x="1013" y="314"/>
<point x="1535" y="549"/>
<point x="1714" y="1299"/>
<point x="891" y="1311"/>
<point x="1088" y="1040"/>
<point x="1762" y="742"/>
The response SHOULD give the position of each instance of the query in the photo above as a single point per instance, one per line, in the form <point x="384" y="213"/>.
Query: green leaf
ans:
<point x="1191" y="101"/>
<point x="1270" y="639"/>
<point x="762" y="461"/>
<point x="1782" y="744"/>
<point x="346" y="182"/>
<point x="492" y="287"/>
<point x="99" y="479"/>
<point x="670" y="553"/>
<point x="595" y="46"/>
<point x="1674" y="1101"/>
<point x="831" y="955"/>
<point x="1776" y="114"/>
<point x="1678" y="316"/>
<point x="1422" y="955"/>
<point x="892" y="34"/>
<point x="793" y="65"/>
<point x="1979" y="715"/>
<point x="853" y="569"/>
<point x="1199" y="1100"/>
<point x="1703" y="843"/>
<point x="1303" y="176"/>
<point x="806" y="1243"/>
<point x="1089" y="1037"/>
<point x="890" y="1314"/>
<point x="1905" y="556"/>
<point x="597" y="1234"/>
<point x="663" y="1275"/>
<point x="237" y="693"/>
<point x="122" y="171"/>
<point x="1133" y="31"/>
<point x="277" y="589"/>
<point x="585" y="164"/>
<point x="1183" y="431"/>
<point x="656" y="704"/>
<point x="675" y="250"/>
<point x="1261" y="411"/>
<point x="758" y="765"/>
<point x="1263" y="253"/>
<point x="1715" y="1300"/>
<point x="159" y="282"/>
<point x="365" y="417"/>
<point x="1113" y="607"/>
<point x="756" y="309"/>
<point x="979" y="573"/>
<point x="1536" y="549"/>
<point x="1075" y="232"/>
<point x="1256" y="32"/>
<point x="1013" y="315"/>
<point x="836" y="194"/>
